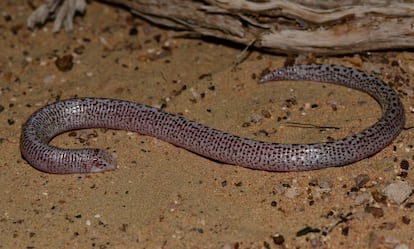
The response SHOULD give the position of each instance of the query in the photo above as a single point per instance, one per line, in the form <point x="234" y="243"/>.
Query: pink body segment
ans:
<point x="81" y="113"/>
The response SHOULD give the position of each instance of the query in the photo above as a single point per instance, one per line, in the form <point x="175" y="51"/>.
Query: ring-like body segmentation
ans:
<point x="73" y="114"/>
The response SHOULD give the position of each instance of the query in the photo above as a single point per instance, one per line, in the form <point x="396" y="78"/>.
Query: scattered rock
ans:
<point x="228" y="245"/>
<point x="404" y="164"/>
<point x="375" y="211"/>
<point x="325" y="183"/>
<point x="387" y="225"/>
<point x="409" y="205"/>
<point x="401" y="246"/>
<point x="278" y="239"/>
<point x="361" y="198"/>
<point x="398" y="192"/>
<point x="379" y="197"/>
<point x="256" y="118"/>
<point x="373" y="240"/>
<point x="361" y="180"/>
<point x="291" y="193"/>
<point x="64" y="63"/>
<point x="316" y="243"/>
<point x="266" y="114"/>
<point x="406" y="220"/>
<point x="391" y="240"/>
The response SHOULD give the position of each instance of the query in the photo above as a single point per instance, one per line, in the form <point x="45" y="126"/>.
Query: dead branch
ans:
<point x="320" y="27"/>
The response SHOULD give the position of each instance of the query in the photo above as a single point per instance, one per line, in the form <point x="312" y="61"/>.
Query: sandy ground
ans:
<point x="162" y="196"/>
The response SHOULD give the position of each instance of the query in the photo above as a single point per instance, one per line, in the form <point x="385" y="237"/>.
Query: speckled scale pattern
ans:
<point x="73" y="114"/>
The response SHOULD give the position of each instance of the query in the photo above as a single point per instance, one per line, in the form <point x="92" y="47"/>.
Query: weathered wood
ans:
<point x="319" y="26"/>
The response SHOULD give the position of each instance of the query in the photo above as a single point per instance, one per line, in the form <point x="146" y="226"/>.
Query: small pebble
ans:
<point x="266" y="114"/>
<point x="133" y="31"/>
<point x="387" y="225"/>
<point x="345" y="231"/>
<point x="361" y="198"/>
<point x="256" y="118"/>
<point x="278" y="239"/>
<point x="361" y="180"/>
<point x="404" y="164"/>
<point x="409" y="205"/>
<point x="48" y="79"/>
<point x="316" y="243"/>
<point x="291" y="193"/>
<point x="401" y="246"/>
<point x="403" y="174"/>
<point x="373" y="240"/>
<point x="379" y="197"/>
<point x="228" y="245"/>
<point x="79" y="50"/>
<point x="398" y="192"/>
<point x="375" y="211"/>
<point x="325" y="184"/>
<point x="406" y="220"/>
<point x="388" y="239"/>
<point x="64" y="63"/>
